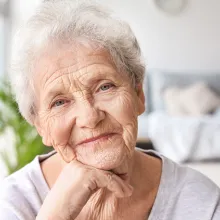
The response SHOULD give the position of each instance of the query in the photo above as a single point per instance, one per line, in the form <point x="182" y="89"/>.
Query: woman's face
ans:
<point x="87" y="110"/>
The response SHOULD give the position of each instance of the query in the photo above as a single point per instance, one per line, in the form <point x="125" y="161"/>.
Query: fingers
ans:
<point x="100" y="179"/>
<point x="94" y="179"/>
<point x="75" y="185"/>
<point x="119" y="187"/>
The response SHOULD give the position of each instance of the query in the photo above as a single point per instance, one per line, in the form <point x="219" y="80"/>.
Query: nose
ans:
<point x="89" y="116"/>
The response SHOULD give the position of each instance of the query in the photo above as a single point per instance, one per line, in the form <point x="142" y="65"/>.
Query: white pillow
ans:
<point x="172" y="102"/>
<point x="196" y="99"/>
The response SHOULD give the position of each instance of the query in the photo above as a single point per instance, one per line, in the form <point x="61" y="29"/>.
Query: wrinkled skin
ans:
<point x="80" y="96"/>
<point x="91" y="98"/>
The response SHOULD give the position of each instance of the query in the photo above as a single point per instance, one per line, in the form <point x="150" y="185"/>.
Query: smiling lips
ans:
<point x="101" y="137"/>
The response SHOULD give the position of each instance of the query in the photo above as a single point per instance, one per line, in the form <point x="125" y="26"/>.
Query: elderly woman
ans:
<point x="78" y="79"/>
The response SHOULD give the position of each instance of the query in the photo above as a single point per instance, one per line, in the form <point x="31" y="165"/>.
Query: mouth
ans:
<point x="102" y="137"/>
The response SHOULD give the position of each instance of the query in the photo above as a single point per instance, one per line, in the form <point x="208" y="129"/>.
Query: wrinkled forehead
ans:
<point x="80" y="62"/>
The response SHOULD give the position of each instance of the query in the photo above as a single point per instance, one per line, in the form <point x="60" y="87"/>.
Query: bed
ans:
<point x="185" y="138"/>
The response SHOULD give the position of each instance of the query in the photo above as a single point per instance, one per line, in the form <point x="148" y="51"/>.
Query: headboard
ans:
<point x="156" y="81"/>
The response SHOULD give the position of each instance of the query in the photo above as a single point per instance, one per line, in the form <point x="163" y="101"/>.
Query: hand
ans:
<point x="73" y="188"/>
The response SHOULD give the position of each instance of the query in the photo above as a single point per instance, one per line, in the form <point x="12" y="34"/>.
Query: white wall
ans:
<point x="22" y="10"/>
<point x="2" y="66"/>
<point x="188" y="41"/>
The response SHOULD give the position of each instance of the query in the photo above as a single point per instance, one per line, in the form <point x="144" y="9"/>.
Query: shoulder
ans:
<point x="20" y="192"/>
<point x="182" y="176"/>
<point x="185" y="193"/>
<point x="197" y="185"/>
<point x="194" y="194"/>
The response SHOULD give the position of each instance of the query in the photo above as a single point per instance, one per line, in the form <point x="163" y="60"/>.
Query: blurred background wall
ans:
<point x="187" y="41"/>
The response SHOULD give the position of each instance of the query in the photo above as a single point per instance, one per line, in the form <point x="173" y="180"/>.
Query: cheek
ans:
<point x="59" y="129"/>
<point x="123" y="108"/>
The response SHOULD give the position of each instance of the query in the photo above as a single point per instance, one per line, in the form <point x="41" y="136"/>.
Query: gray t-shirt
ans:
<point x="184" y="194"/>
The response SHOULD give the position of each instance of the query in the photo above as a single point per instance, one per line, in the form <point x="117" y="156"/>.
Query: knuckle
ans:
<point x="109" y="176"/>
<point x="90" y="185"/>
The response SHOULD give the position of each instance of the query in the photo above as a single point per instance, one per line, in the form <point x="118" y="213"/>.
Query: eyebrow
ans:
<point x="106" y="73"/>
<point x="58" y="90"/>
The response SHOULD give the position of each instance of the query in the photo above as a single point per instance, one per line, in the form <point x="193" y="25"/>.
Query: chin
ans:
<point x="105" y="156"/>
<point x="109" y="162"/>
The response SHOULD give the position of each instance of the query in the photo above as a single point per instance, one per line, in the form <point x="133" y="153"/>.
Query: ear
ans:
<point x="45" y="135"/>
<point x="141" y="98"/>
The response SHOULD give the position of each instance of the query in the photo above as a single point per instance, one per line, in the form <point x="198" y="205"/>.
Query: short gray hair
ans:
<point x="72" y="21"/>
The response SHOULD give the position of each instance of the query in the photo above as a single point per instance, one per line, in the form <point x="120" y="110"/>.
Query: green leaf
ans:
<point x="27" y="143"/>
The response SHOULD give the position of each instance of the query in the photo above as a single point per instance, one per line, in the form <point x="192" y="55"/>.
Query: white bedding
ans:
<point x="183" y="138"/>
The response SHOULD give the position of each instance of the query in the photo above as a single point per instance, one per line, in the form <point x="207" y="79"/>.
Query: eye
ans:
<point x="106" y="87"/>
<point x="58" y="103"/>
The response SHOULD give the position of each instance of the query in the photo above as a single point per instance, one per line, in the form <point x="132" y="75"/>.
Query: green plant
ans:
<point x="27" y="143"/>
